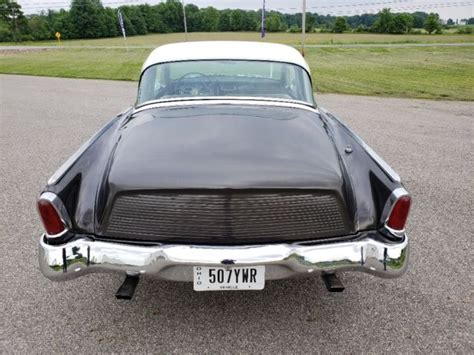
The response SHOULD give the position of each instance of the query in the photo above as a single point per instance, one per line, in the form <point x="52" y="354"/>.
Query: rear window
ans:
<point x="225" y="78"/>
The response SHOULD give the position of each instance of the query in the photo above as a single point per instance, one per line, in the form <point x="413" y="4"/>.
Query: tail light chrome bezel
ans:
<point x="60" y="209"/>
<point x="388" y="208"/>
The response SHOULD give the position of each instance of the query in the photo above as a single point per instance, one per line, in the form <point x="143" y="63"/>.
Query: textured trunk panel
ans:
<point x="227" y="216"/>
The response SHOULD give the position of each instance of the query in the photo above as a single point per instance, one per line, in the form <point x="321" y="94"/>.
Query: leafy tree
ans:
<point x="362" y="28"/>
<point x="13" y="21"/>
<point x="402" y="23"/>
<point x="193" y="18"/>
<point x="59" y="21"/>
<point x="5" y="33"/>
<point x="340" y="25"/>
<point x="290" y="20"/>
<point x="368" y="20"/>
<point x="393" y="23"/>
<point x="310" y="22"/>
<point x="419" y="19"/>
<point x="385" y="22"/>
<point x="210" y="19"/>
<point x="432" y="23"/>
<point x="237" y="20"/>
<point x="325" y="21"/>
<point x="294" y="29"/>
<point x="38" y="27"/>
<point x="111" y="25"/>
<point x="274" y="22"/>
<point x="450" y="22"/>
<point x="224" y="21"/>
<point x="137" y="21"/>
<point x="171" y="12"/>
<point x="86" y="18"/>
<point x="89" y="19"/>
<point x="152" y="17"/>
<point x="9" y="9"/>
<point x="251" y="21"/>
<point x="365" y="20"/>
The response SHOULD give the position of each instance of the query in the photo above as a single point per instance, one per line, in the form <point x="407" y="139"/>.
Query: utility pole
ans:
<point x="185" y="23"/>
<point x="303" y="27"/>
<point x="14" y="27"/>
<point x="12" y="11"/>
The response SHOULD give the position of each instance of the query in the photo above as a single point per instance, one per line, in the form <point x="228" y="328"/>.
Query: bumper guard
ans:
<point x="372" y="253"/>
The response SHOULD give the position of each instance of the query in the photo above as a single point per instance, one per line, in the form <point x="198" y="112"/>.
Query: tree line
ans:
<point x="90" y="19"/>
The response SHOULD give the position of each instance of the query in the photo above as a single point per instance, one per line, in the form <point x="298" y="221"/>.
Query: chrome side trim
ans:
<point x="239" y="100"/>
<point x="377" y="158"/>
<point x="373" y="254"/>
<point x="388" y="207"/>
<point x="60" y="209"/>
<point x="77" y="154"/>
<point x="70" y="161"/>
<point x="380" y="162"/>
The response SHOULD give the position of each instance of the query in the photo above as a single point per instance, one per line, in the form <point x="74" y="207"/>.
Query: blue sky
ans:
<point x="456" y="9"/>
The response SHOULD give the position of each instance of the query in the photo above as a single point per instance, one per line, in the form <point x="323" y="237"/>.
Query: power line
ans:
<point x="62" y="5"/>
<point x="67" y="3"/>
<point x="372" y="3"/>
<point x="332" y="8"/>
<point x="399" y="3"/>
<point x="370" y="7"/>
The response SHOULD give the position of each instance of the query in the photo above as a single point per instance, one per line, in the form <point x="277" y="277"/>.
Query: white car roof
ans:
<point x="222" y="50"/>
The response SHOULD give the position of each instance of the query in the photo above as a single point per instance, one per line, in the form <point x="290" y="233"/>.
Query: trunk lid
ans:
<point x="225" y="146"/>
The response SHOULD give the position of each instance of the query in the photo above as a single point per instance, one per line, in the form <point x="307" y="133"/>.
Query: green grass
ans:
<point x="418" y="72"/>
<point x="110" y="64"/>
<point x="421" y="72"/>
<point x="286" y="38"/>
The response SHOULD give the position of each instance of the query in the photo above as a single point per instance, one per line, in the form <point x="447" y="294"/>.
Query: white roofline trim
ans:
<point x="237" y="101"/>
<point x="225" y="50"/>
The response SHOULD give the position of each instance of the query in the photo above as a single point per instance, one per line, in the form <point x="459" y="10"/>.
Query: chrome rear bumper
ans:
<point x="372" y="253"/>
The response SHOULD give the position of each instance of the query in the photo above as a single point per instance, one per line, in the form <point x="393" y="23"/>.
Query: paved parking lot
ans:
<point x="44" y="120"/>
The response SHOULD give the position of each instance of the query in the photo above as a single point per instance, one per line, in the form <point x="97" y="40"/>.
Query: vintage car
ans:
<point x="224" y="173"/>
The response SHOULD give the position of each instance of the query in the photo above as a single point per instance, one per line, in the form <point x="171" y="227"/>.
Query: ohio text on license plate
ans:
<point x="229" y="278"/>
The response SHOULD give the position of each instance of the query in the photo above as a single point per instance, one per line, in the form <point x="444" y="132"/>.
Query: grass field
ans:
<point x="432" y="72"/>
<point x="286" y="38"/>
<point x="422" y="72"/>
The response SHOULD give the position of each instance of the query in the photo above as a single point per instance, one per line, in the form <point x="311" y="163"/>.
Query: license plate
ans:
<point x="229" y="278"/>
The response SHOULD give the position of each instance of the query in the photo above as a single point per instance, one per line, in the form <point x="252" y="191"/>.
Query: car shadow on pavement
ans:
<point x="304" y="299"/>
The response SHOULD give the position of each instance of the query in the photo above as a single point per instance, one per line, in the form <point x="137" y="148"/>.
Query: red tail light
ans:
<point x="399" y="214"/>
<point x="50" y="217"/>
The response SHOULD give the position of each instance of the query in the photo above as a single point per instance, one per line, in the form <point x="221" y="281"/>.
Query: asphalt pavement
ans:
<point x="430" y="143"/>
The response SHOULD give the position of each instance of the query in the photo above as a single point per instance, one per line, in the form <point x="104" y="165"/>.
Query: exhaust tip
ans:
<point x="127" y="289"/>
<point x="332" y="282"/>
